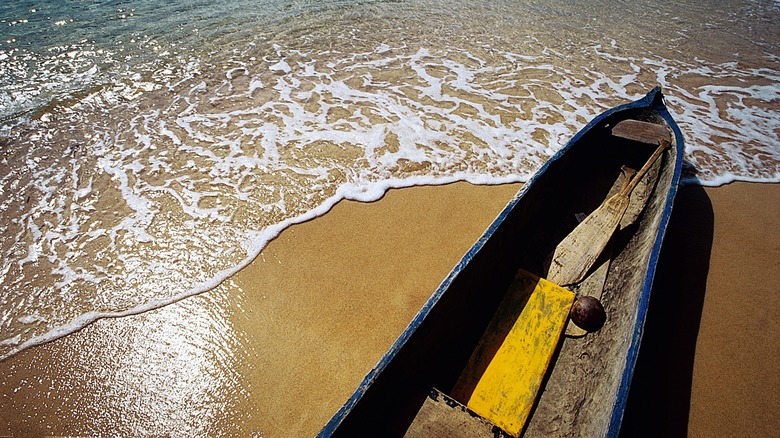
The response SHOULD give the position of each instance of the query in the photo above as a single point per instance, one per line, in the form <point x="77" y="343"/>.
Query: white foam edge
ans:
<point x="363" y="193"/>
<point x="728" y="178"/>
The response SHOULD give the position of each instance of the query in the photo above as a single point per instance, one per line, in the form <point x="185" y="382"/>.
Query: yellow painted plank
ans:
<point x="505" y="392"/>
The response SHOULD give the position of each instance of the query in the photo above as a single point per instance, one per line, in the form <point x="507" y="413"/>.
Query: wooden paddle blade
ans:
<point x="644" y="132"/>
<point x="577" y="253"/>
<point x="506" y="370"/>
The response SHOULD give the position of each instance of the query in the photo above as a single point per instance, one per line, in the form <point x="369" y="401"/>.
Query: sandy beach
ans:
<point x="276" y="349"/>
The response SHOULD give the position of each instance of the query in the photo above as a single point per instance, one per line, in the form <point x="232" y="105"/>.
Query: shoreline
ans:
<point x="288" y="338"/>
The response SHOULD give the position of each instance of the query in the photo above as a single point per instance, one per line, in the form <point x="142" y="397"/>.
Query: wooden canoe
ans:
<point x="584" y="390"/>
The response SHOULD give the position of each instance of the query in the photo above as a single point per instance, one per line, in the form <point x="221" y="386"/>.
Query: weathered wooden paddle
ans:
<point x="645" y="132"/>
<point x="593" y="284"/>
<point x="575" y="255"/>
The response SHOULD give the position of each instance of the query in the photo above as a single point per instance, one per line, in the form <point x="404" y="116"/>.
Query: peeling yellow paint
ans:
<point x="506" y="390"/>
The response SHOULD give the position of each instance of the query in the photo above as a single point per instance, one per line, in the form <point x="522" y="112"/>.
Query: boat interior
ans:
<point x="580" y="389"/>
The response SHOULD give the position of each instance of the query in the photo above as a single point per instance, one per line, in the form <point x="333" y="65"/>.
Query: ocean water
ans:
<point x="149" y="149"/>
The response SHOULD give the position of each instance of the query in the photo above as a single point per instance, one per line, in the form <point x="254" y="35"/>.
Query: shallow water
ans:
<point x="151" y="149"/>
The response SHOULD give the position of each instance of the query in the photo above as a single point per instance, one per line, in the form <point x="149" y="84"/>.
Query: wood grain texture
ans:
<point x="443" y="416"/>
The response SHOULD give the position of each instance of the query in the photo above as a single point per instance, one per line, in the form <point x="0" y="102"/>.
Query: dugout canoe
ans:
<point x="585" y="388"/>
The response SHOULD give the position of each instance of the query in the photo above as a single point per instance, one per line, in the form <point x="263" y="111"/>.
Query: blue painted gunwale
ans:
<point x="653" y="99"/>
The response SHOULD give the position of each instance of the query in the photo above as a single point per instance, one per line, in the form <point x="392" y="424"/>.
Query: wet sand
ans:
<point x="280" y="346"/>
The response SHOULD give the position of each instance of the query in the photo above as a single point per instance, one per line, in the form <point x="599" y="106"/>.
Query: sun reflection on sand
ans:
<point x="173" y="370"/>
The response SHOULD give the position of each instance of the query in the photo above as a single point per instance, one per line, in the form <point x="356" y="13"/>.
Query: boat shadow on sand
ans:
<point x="659" y="400"/>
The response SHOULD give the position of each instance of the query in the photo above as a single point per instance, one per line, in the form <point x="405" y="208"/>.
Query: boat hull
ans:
<point x="586" y="390"/>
